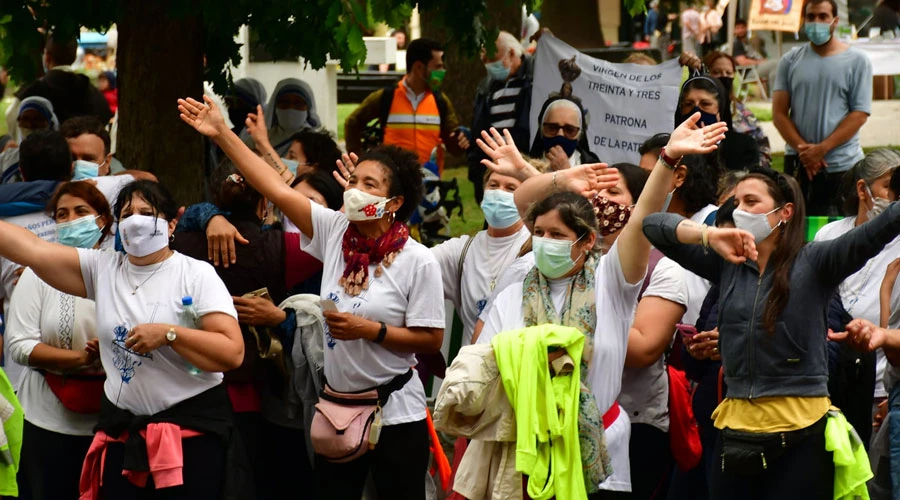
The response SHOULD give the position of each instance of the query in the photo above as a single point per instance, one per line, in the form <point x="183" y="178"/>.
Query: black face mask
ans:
<point x="728" y="83"/>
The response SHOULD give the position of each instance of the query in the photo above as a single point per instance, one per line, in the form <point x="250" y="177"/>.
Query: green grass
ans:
<point x="4" y="103"/>
<point x="472" y="220"/>
<point x="763" y="112"/>
<point x="344" y="111"/>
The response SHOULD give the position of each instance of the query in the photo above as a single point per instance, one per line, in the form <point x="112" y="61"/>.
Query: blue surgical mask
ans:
<point x="706" y="119"/>
<point x="85" y="170"/>
<point x="568" y="145"/>
<point x="553" y="258"/>
<point x="499" y="208"/>
<point x="497" y="71"/>
<point x="79" y="233"/>
<point x="291" y="165"/>
<point x="818" y="33"/>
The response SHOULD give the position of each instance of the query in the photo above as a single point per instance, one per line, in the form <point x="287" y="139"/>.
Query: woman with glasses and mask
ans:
<point x="721" y="66"/>
<point x="712" y="100"/>
<point x="773" y="301"/>
<point x="562" y="136"/>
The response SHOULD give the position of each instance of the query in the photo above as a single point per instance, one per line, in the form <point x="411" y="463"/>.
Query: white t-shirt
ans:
<point x="110" y="185"/>
<point x="42" y="314"/>
<point x="645" y="391"/>
<point x="408" y="293"/>
<point x="485" y="260"/>
<point x="514" y="273"/>
<point x="146" y="384"/>
<point x="860" y="292"/>
<point x="616" y="301"/>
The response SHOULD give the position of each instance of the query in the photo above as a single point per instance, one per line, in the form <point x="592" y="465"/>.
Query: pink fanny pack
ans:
<point x="347" y="424"/>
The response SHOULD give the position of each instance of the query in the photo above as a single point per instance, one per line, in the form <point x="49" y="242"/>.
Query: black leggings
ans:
<point x="203" y="473"/>
<point x="806" y="471"/>
<point x="50" y="465"/>
<point x="398" y="465"/>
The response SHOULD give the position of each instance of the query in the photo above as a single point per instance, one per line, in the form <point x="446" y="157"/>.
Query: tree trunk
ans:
<point x="464" y="73"/>
<point x="577" y="22"/>
<point x="160" y="59"/>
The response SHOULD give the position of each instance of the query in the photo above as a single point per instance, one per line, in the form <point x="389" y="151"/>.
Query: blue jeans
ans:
<point x="893" y="420"/>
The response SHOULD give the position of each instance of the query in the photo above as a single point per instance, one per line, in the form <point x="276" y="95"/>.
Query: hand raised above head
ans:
<point x="205" y="116"/>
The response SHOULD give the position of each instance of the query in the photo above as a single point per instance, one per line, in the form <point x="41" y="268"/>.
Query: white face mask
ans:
<point x="878" y="204"/>
<point x="755" y="224"/>
<point x="360" y="205"/>
<point x="291" y="119"/>
<point x="144" y="234"/>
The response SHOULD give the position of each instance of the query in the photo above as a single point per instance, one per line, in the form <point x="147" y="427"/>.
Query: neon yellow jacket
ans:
<point x="851" y="463"/>
<point x="546" y="409"/>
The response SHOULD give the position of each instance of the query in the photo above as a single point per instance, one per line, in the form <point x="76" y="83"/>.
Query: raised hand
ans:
<point x="346" y="165"/>
<point x="689" y="139"/>
<point x="256" y="127"/>
<point x="203" y="116"/>
<point x="588" y="180"/>
<point x="734" y="245"/>
<point x="504" y="157"/>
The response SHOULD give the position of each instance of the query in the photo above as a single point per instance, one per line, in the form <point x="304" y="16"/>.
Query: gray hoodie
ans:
<point x="791" y="361"/>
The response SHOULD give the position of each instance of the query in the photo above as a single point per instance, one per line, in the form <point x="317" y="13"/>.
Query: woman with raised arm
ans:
<point x="164" y="372"/>
<point x="573" y="285"/>
<point x="383" y="296"/>
<point x="773" y="302"/>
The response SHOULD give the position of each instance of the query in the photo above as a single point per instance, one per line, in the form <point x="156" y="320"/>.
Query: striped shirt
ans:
<point x="503" y="98"/>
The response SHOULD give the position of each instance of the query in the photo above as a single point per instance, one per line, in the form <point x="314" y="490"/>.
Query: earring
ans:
<point x="172" y="238"/>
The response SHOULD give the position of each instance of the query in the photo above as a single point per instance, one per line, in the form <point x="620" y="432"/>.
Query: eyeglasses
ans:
<point x="550" y="129"/>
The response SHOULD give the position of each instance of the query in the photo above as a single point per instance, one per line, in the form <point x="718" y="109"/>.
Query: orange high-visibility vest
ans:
<point x="418" y="131"/>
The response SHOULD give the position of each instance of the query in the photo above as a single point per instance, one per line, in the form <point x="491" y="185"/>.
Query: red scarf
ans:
<point x="360" y="251"/>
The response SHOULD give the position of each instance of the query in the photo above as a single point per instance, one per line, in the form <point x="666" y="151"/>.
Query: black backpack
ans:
<point x="373" y="134"/>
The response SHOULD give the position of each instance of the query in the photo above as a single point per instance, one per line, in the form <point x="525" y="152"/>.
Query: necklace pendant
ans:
<point x="134" y="292"/>
<point x="493" y="284"/>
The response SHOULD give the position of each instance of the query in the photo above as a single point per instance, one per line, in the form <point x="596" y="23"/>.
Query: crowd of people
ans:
<point x="651" y="330"/>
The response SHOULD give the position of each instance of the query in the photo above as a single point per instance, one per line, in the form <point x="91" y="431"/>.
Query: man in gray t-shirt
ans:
<point x="822" y="97"/>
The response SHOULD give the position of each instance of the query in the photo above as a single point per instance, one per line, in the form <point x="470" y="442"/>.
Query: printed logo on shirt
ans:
<point x="122" y="356"/>
<point x="329" y="340"/>
<point x="480" y="306"/>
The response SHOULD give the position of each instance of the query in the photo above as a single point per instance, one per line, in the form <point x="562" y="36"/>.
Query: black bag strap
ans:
<point x="384" y="392"/>
<point x="462" y="261"/>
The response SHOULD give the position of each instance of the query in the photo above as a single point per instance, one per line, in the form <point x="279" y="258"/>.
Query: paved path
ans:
<point x="882" y="128"/>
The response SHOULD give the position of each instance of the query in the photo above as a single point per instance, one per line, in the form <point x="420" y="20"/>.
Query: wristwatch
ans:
<point x="382" y="332"/>
<point x="171" y="335"/>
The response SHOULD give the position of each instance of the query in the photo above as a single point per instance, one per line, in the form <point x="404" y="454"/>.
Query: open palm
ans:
<point x="689" y="139"/>
<point x="205" y="118"/>
<point x="505" y="158"/>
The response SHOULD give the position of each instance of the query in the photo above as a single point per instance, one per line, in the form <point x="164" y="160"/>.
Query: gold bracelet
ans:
<point x="555" y="188"/>
<point x="704" y="235"/>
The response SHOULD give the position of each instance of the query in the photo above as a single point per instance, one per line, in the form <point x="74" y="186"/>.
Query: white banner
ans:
<point x="626" y="103"/>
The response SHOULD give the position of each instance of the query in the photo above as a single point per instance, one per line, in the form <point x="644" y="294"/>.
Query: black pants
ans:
<point x="822" y="193"/>
<point x="806" y="471"/>
<point x="651" y="462"/>
<point x="50" y="465"/>
<point x="397" y="464"/>
<point x="285" y="464"/>
<point x="203" y="473"/>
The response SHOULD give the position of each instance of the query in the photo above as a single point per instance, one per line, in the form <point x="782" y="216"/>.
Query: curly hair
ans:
<point x="232" y="193"/>
<point x="319" y="148"/>
<point x="404" y="176"/>
<point x="700" y="184"/>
